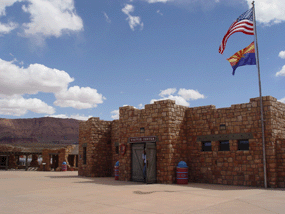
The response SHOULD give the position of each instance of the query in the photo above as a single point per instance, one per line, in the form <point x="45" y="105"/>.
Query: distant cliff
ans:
<point x="43" y="132"/>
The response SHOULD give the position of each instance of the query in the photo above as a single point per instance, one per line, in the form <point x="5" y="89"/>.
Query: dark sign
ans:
<point x="142" y="139"/>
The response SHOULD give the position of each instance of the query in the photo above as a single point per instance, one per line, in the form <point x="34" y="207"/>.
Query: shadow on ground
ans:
<point x="111" y="181"/>
<point x="98" y="180"/>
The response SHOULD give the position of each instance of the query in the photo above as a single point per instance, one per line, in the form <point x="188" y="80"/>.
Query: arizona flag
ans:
<point x="245" y="56"/>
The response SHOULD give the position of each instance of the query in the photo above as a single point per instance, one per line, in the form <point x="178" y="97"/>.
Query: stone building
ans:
<point x="220" y="146"/>
<point x="10" y="157"/>
<point x="53" y="158"/>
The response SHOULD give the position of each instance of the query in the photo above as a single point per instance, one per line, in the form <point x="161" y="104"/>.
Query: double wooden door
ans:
<point x="138" y="162"/>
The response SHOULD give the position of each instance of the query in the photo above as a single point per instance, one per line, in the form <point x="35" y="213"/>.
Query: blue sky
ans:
<point x="77" y="59"/>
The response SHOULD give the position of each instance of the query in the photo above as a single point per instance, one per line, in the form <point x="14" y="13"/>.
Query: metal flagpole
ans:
<point x="260" y="98"/>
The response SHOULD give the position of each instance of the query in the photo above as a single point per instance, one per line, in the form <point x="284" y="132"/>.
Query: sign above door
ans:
<point x="142" y="139"/>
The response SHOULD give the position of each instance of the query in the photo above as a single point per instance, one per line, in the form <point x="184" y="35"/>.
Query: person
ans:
<point x="144" y="162"/>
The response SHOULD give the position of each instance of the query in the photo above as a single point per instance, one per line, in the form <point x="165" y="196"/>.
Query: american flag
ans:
<point x="244" y="24"/>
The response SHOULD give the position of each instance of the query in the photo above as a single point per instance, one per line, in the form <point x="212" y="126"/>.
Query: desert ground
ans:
<point x="66" y="192"/>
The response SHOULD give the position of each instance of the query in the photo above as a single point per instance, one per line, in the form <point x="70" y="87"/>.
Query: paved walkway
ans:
<point x="65" y="192"/>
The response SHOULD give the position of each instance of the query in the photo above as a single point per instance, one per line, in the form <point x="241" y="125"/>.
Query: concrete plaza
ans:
<point x="66" y="192"/>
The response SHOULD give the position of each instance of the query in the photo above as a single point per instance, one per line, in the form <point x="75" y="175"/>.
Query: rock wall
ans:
<point x="179" y="131"/>
<point x="166" y="121"/>
<point x="62" y="154"/>
<point x="47" y="157"/>
<point x="115" y="143"/>
<point x="278" y="140"/>
<point x="95" y="135"/>
<point x="34" y="162"/>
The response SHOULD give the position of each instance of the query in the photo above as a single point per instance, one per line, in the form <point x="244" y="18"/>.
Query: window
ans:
<point x="84" y="155"/>
<point x="224" y="145"/>
<point x="243" y="145"/>
<point x="117" y="147"/>
<point x="206" y="146"/>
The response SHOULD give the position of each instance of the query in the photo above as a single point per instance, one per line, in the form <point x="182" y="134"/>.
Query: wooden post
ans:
<point x="26" y="162"/>
<point x="7" y="162"/>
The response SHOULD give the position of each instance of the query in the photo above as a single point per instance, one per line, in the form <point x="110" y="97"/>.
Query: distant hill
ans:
<point x="46" y="132"/>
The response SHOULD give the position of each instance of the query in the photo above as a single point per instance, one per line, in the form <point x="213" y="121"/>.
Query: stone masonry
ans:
<point x="95" y="135"/>
<point x="62" y="157"/>
<point x="180" y="132"/>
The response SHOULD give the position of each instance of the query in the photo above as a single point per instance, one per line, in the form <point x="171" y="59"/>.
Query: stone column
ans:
<point x="7" y="162"/>
<point x="12" y="162"/>
<point x="26" y="162"/>
<point x="34" y="162"/>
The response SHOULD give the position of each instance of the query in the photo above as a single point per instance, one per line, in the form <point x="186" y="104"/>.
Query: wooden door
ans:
<point x="137" y="162"/>
<point x="3" y="161"/>
<point x="151" y="163"/>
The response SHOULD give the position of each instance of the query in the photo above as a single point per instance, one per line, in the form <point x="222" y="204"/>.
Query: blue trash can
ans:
<point x="64" y="166"/>
<point x="182" y="173"/>
<point x="117" y="170"/>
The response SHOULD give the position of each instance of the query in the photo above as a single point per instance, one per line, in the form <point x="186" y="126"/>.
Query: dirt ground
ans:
<point x="66" y="192"/>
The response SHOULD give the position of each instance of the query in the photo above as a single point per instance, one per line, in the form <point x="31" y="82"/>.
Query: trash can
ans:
<point x="44" y="166"/>
<point x="182" y="173"/>
<point x="64" y="166"/>
<point x="117" y="170"/>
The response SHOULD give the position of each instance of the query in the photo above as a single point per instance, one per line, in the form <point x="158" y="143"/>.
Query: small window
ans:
<point x="224" y="145"/>
<point x="243" y="145"/>
<point x="84" y="155"/>
<point x="117" y="147"/>
<point x="207" y="146"/>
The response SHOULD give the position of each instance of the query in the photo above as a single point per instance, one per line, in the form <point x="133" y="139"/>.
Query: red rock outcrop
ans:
<point x="38" y="132"/>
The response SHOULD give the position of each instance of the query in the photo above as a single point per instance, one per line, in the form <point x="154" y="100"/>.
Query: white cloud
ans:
<point x="269" y="12"/>
<point x="4" y="4"/>
<point x="16" y="81"/>
<point x="73" y="116"/>
<point x="282" y="100"/>
<point x="17" y="105"/>
<point x="190" y="94"/>
<point x="160" y="13"/>
<point x="156" y="1"/>
<point x="182" y="97"/>
<point x="47" y="18"/>
<point x="107" y="17"/>
<point x="6" y="27"/>
<point x="168" y="91"/>
<point x="183" y="3"/>
<point x="51" y="18"/>
<point x="115" y="114"/>
<point x="133" y="20"/>
<point x="79" y="98"/>
<point x="281" y="72"/>
<point x="140" y="106"/>
<point x="31" y="80"/>
<point x="282" y="54"/>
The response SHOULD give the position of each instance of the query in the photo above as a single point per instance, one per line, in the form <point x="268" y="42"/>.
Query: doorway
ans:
<point x="138" y="162"/>
<point x="54" y="161"/>
<point x="4" y="161"/>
